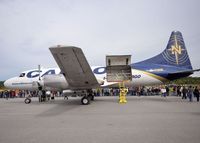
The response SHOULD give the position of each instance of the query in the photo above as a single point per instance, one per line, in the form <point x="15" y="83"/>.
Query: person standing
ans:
<point x="190" y="93"/>
<point x="163" y="91"/>
<point x="167" y="90"/>
<point x="184" y="91"/>
<point x="196" y="93"/>
<point x="178" y="91"/>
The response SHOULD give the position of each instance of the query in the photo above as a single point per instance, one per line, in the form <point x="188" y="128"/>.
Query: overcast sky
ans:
<point x="137" y="27"/>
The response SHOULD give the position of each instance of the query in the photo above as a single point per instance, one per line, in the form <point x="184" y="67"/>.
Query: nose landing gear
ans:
<point x="27" y="100"/>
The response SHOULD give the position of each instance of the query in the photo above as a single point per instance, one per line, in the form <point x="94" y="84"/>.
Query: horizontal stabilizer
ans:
<point x="186" y="71"/>
<point x="179" y="74"/>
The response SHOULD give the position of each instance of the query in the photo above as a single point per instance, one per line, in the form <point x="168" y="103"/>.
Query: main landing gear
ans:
<point x="87" y="98"/>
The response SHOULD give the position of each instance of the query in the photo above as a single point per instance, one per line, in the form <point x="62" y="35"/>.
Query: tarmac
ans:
<point x="150" y="119"/>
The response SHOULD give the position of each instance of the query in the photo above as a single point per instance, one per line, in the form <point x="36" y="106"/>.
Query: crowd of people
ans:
<point x="186" y="92"/>
<point x="24" y="93"/>
<point x="138" y="91"/>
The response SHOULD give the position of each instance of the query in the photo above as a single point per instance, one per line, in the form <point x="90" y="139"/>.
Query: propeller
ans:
<point x="39" y="83"/>
<point x="39" y="72"/>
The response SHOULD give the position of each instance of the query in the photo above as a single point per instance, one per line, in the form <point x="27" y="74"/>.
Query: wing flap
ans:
<point x="74" y="67"/>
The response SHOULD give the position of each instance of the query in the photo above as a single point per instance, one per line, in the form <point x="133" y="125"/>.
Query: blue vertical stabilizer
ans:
<point x="174" y="55"/>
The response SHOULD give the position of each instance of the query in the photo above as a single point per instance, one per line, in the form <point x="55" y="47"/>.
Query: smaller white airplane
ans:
<point x="74" y="72"/>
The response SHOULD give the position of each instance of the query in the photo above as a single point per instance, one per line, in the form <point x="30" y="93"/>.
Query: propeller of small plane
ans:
<point x="39" y="83"/>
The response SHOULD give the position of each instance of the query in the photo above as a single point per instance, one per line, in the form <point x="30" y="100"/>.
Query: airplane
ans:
<point x="74" y="72"/>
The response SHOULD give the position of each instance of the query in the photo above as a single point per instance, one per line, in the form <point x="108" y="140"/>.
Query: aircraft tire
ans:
<point x="85" y="100"/>
<point x="27" y="100"/>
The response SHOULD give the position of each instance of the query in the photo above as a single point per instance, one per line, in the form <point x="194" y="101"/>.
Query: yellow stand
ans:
<point x="123" y="92"/>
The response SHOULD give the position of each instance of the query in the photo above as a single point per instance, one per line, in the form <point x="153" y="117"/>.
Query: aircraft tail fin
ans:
<point x="175" y="53"/>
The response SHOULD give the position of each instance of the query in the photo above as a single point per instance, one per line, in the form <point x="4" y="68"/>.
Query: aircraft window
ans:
<point x="22" y="75"/>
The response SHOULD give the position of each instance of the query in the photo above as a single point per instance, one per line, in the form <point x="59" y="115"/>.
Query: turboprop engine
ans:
<point x="55" y="82"/>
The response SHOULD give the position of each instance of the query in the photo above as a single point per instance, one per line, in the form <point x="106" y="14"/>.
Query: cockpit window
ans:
<point x="22" y="75"/>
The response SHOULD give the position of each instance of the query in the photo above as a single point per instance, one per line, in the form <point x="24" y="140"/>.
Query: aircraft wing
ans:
<point x="74" y="67"/>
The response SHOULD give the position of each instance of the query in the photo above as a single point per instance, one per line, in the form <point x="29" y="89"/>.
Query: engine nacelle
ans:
<point x="55" y="82"/>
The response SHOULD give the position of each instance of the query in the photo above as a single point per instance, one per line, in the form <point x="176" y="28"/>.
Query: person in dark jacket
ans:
<point x="184" y="91"/>
<point x="167" y="90"/>
<point x="196" y="93"/>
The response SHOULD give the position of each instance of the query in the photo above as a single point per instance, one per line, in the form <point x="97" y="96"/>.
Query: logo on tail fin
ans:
<point x="175" y="53"/>
<point x="176" y="50"/>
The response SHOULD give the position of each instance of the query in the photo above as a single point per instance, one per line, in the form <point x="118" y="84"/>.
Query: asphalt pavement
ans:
<point x="151" y="119"/>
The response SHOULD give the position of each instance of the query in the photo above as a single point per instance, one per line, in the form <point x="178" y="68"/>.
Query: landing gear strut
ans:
<point x="92" y="97"/>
